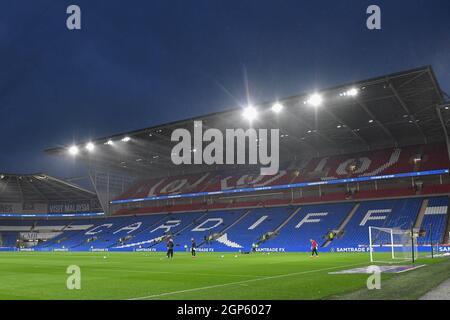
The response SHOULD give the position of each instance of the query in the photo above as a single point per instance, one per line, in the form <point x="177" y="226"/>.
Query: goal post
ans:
<point x="389" y="244"/>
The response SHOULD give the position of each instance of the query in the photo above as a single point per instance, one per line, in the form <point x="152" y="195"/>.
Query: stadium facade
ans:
<point x="374" y="153"/>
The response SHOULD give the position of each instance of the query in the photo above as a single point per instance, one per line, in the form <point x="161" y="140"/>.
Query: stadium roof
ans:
<point x="39" y="188"/>
<point x="391" y="110"/>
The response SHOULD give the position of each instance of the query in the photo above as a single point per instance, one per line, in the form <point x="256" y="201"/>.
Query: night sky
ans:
<point x="140" y="63"/>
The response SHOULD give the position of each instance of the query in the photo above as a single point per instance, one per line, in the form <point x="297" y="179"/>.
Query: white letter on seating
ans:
<point x="199" y="227"/>
<point x="168" y="225"/>
<point x="368" y="216"/>
<point x="92" y="231"/>
<point x="131" y="227"/>
<point x="307" y="219"/>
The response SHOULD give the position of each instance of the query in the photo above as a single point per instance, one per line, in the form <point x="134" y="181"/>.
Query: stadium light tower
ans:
<point x="73" y="150"/>
<point x="109" y="142"/>
<point x="250" y="113"/>
<point x="277" y="107"/>
<point x="352" y="92"/>
<point x="90" y="147"/>
<point x="315" y="100"/>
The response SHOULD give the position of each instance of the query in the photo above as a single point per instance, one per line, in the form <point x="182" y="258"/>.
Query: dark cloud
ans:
<point x="139" y="63"/>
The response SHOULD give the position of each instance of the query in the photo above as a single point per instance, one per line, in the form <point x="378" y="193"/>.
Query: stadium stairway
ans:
<point x="120" y="234"/>
<point x="162" y="244"/>
<point x="202" y="229"/>
<point x="236" y="222"/>
<point x="310" y="222"/>
<point x="141" y="232"/>
<point x="154" y="234"/>
<point x="421" y="214"/>
<point x="277" y="229"/>
<point x="447" y="230"/>
<point x="251" y="228"/>
<point x="400" y="213"/>
<point x="344" y="223"/>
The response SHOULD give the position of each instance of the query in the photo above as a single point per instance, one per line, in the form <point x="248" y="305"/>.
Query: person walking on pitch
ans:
<point x="193" y="247"/>
<point x="314" y="248"/>
<point x="170" y="248"/>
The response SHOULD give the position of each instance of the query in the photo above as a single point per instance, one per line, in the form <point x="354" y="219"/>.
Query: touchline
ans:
<point x="191" y="150"/>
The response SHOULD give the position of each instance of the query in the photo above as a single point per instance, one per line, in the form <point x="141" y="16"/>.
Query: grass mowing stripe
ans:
<point x="244" y="281"/>
<point x="152" y="276"/>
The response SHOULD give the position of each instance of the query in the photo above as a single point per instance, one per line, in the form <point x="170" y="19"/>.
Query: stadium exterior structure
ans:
<point x="383" y="152"/>
<point x="34" y="195"/>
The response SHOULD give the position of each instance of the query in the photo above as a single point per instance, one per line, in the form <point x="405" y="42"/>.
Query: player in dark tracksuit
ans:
<point x="170" y="248"/>
<point x="193" y="247"/>
<point x="313" y="247"/>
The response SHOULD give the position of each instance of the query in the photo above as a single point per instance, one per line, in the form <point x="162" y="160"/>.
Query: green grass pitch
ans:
<point x="35" y="275"/>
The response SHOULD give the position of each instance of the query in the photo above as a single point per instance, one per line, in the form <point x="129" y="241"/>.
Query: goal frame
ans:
<point x="392" y="245"/>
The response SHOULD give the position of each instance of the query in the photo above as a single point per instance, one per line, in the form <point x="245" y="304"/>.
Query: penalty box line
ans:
<point x="243" y="281"/>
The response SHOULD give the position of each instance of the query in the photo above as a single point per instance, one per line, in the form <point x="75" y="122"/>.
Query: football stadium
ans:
<point x="363" y="178"/>
<point x="224" y="159"/>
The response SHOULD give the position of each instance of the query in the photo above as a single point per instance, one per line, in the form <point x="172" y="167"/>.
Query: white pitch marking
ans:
<point x="414" y="268"/>
<point x="243" y="281"/>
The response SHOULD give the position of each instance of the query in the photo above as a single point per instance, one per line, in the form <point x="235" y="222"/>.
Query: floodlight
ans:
<point x="109" y="142"/>
<point x="277" y="107"/>
<point x="90" y="146"/>
<point x="250" y="113"/>
<point x="126" y="139"/>
<point x="73" y="150"/>
<point x="315" y="100"/>
<point x="352" y="92"/>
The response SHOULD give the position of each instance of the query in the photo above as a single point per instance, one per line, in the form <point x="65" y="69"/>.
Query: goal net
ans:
<point x="390" y="244"/>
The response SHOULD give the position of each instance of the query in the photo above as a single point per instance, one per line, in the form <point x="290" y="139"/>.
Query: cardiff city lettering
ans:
<point x="201" y="228"/>
<point x="130" y="228"/>
<point x="257" y="222"/>
<point x="167" y="225"/>
<point x="307" y="218"/>
<point x="99" y="229"/>
<point x="370" y="216"/>
<point x="285" y="186"/>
